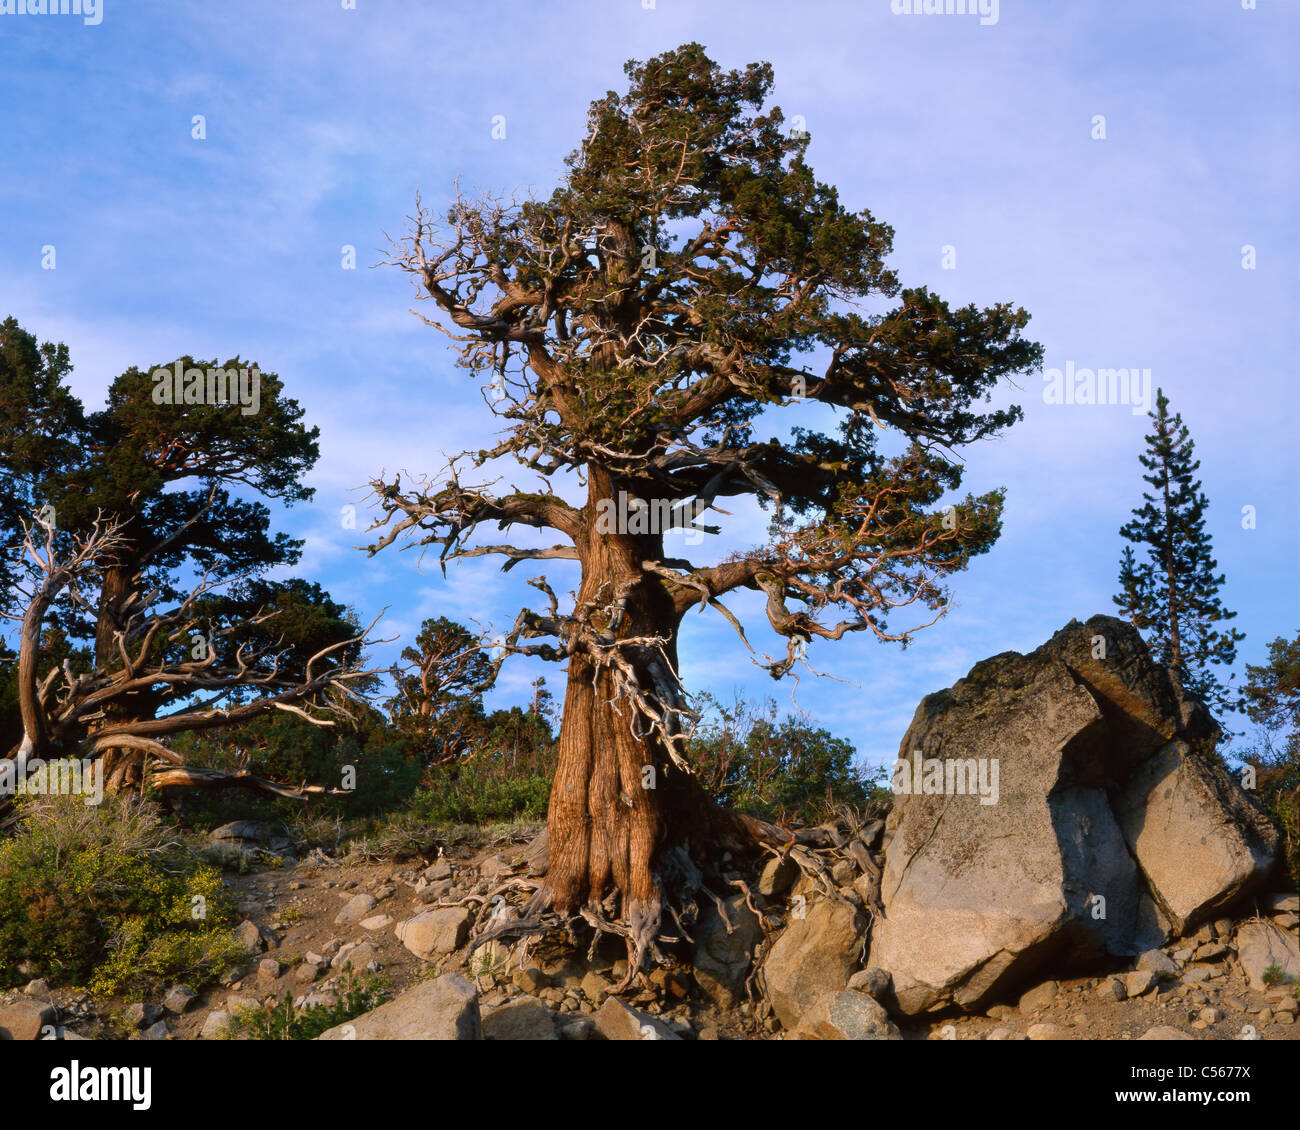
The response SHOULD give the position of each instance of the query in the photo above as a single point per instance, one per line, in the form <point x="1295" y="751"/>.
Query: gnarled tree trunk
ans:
<point x="631" y="834"/>
<point x="123" y="766"/>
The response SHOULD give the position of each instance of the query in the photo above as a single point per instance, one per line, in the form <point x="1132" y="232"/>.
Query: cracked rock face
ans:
<point x="1052" y="808"/>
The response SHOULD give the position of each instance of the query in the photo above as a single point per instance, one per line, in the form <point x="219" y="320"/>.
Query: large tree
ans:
<point x="164" y="472"/>
<point x="1271" y="697"/>
<point x="439" y="684"/>
<point x="41" y="426"/>
<point x="160" y="472"/>
<point x="211" y="674"/>
<point x="1171" y="592"/>
<point x="689" y="275"/>
<point x="165" y="475"/>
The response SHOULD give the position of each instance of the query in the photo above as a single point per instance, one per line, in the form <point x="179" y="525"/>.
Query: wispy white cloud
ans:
<point x="322" y="123"/>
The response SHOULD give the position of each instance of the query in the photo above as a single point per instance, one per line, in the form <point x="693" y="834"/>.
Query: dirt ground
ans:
<point x="295" y="908"/>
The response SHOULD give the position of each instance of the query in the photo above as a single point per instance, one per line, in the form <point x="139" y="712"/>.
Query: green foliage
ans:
<point x="472" y="796"/>
<point x="1273" y="975"/>
<point x="137" y="449"/>
<point x="440" y="681"/>
<point x="1171" y="594"/>
<point x="779" y="769"/>
<point x="100" y="896"/>
<point x="482" y="767"/>
<point x="1272" y="697"/>
<point x="1281" y="796"/>
<point x="163" y="944"/>
<point x="284" y="747"/>
<point x="490" y="965"/>
<point x="301" y="620"/>
<point x="41" y="423"/>
<point x="11" y="720"/>
<point x="502" y="773"/>
<point x="163" y="472"/>
<point x="507" y="777"/>
<point x="356" y="995"/>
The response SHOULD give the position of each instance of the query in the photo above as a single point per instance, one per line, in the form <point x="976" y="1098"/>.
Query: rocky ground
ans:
<point x="1066" y="816"/>
<point x="301" y="923"/>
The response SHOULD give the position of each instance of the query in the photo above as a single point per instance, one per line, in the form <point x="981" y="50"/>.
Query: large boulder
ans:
<point x="26" y="1020"/>
<point x="355" y="909"/>
<point x="1199" y="840"/>
<point x="246" y="837"/>
<point x="525" y="1019"/>
<point x="724" y="951"/>
<point x="816" y="954"/>
<point x="442" y="1009"/>
<point x="1005" y="857"/>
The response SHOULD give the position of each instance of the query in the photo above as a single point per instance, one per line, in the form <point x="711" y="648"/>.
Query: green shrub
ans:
<point x="473" y="796"/>
<point x="384" y="772"/>
<point x="504" y="779"/>
<point x="357" y="995"/>
<point x="786" y="769"/>
<point x="101" y="896"/>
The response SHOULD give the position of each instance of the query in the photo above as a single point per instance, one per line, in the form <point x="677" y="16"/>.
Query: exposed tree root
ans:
<point x="684" y="886"/>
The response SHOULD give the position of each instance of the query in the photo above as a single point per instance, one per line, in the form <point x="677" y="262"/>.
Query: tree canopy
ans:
<point x="636" y="332"/>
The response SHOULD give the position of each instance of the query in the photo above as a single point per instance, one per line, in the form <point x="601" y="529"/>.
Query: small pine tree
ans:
<point x="1171" y="593"/>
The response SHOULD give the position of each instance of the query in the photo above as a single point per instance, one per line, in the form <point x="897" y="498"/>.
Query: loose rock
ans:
<point x="443" y="1009"/>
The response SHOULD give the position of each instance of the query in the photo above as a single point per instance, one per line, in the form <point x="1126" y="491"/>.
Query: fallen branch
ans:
<point x="195" y="777"/>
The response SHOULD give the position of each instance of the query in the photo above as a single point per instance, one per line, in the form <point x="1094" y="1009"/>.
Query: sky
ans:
<point x="1128" y="173"/>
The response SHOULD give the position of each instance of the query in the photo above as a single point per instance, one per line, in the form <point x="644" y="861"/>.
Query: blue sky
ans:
<point x="322" y="123"/>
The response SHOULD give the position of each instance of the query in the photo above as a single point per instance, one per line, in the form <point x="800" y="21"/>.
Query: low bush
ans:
<point x="477" y="796"/>
<point x="782" y="769"/>
<point x="356" y="995"/>
<point x="103" y="897"/>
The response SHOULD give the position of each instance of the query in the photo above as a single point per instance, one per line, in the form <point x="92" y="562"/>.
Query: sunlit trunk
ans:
<point x="624" y="821"/>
